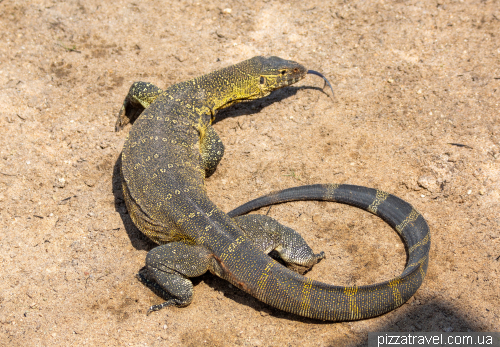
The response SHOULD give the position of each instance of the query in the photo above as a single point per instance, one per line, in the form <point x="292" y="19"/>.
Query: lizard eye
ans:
<point x="262" y="80"/>
<point x="283" y="72"/>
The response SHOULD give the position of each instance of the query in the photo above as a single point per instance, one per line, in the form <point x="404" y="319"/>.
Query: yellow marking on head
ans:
<point x="380" y="197"/>
<point x="411" y="218"/>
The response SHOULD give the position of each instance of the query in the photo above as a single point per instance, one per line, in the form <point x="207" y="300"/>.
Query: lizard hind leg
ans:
<point x="268" y="234"/>
<point x="139" y="97"/>
<point x="167" y="270"/>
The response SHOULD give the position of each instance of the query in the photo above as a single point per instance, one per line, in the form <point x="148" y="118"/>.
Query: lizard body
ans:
<point x="170" y="150"/>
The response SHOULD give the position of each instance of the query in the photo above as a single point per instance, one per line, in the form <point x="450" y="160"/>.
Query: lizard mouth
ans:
<point x="292" y="80"/>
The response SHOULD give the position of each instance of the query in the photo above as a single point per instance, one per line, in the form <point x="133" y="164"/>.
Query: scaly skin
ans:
<point x="170" y="150"/>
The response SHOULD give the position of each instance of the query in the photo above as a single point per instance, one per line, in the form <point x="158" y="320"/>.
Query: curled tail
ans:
<point x="291" y="292"/>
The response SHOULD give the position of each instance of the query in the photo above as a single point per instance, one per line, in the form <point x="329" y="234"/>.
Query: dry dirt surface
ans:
<point x="415" y="113"/>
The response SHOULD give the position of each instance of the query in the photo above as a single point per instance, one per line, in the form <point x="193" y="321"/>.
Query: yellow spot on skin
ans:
<point x="331" y="190"/>
<point x="422" y="242"/>
<point x="306" y="296"/>
<point x="379" y="198"/>
<point x="394" y="285"/>
<point x="410" y="219"/>
<point x="353" y="308"/>
<point x="231" y="248"/>
<point x="261" y="283"/>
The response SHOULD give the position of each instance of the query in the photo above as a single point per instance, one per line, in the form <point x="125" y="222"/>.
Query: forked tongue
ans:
<point x="312" y="72"/>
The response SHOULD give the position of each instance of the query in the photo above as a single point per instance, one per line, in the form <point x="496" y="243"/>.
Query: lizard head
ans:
<point x="256" y="78"/>
<point x="272" y="73"/>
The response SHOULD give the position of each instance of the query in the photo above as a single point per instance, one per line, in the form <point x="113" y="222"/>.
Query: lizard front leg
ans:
<point x="211" y="149"/>
<point x="139" y="97"/>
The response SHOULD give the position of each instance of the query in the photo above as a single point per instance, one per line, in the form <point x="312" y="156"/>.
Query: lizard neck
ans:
<point x="228" y="86"/>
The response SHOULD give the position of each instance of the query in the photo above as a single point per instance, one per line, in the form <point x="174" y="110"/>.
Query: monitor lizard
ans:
<point x="169" y="151"/>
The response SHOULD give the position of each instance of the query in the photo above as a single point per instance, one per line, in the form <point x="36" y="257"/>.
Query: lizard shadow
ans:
<point x="255" y="106"/>
<point x="436" y="316"/>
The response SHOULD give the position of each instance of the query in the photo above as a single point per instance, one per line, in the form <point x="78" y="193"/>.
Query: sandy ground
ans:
<point x="415" y="113"/>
